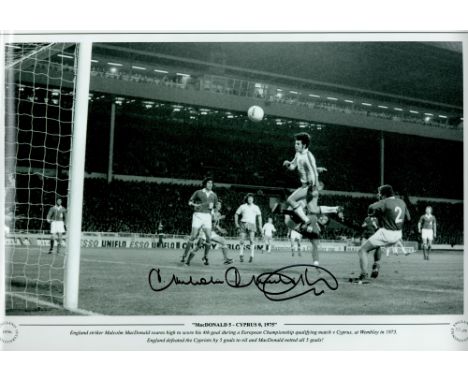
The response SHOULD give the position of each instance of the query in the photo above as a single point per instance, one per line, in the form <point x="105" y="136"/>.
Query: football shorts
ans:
<point x="201" y="219"/>
<point x="385" y="237"/>
<point x="247" y="227"/>
<point x="427" y="234"/>
<point x="57" y="227"/>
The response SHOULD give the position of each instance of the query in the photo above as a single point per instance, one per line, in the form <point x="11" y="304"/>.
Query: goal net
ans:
<point x="40" y="96"/>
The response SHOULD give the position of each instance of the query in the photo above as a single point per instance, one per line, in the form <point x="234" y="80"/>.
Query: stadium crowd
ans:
<point x="123" y="206"/>
<point x="148" y="142"/>
<point x="235" y="150"/>
<point x="171" y="144"/>
<point x="139" y="207"/>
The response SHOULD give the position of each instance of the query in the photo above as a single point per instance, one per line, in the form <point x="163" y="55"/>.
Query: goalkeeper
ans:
<point x="56" y="217"/>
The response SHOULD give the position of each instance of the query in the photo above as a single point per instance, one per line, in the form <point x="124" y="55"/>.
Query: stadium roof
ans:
<point x="430" y="71"/>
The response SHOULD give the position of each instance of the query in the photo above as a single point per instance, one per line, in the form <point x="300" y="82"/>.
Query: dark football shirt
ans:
<point x="427" y="222"/>
<point x="206" y="199"/>
<point x="391" y="213"/>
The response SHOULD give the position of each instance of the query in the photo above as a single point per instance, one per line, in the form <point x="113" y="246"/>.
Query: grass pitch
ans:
<point x="115" y="282"/>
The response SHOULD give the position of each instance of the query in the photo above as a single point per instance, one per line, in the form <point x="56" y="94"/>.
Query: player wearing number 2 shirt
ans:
<point x="392" y="213"/>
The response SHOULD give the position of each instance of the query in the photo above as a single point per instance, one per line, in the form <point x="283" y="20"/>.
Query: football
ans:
<point x="255" y="113"/>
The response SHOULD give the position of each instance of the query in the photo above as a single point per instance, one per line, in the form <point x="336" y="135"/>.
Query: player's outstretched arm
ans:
<point x="291" y="165"/>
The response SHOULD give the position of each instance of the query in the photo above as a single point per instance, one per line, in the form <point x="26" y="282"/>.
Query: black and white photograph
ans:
<point x="293" y="175"/>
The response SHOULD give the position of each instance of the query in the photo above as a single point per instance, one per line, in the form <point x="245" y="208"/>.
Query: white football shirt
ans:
<point x="268" y="229"/>
<point x="249" y="213"/>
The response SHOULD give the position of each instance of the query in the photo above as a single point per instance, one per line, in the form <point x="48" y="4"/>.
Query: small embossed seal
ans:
<point x="8" y="332"/>
<point x="460" y="331"/>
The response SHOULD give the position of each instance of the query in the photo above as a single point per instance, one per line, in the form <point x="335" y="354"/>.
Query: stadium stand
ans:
<point x="290" y="96"/>
<point x="237" y="151"/>
<point x="122" y="206"/>
<point x="138" y="207"/>
<point x="234" y="151"/>
<point x="246" y="88"/>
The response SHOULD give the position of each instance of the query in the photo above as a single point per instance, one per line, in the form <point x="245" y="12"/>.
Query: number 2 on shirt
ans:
<point x="398" y="211"/>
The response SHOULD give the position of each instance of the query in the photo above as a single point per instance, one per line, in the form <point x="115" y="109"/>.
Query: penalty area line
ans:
<point x="48" y="304"/>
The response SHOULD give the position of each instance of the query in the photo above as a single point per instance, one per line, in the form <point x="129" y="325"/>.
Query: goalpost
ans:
<point x="77" y="167"/>
<point x="46" y="110"/>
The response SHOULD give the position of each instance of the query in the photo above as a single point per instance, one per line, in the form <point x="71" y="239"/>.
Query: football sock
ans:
<point x="187" y="249"/>
<point x="207" y="249"/>
<point x="191" y="255"/>
<point x="224" y="250"/>
<point x="377" y="254"/>
<point x="328" y="210"/>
